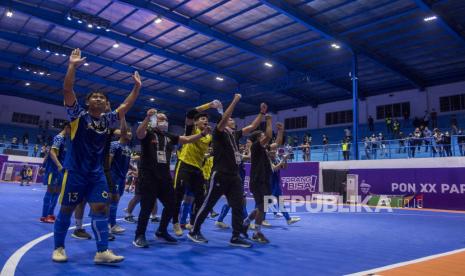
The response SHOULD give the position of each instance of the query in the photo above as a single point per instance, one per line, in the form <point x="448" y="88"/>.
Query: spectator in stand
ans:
<point x="454" y="130"/>
<point x="325" y="147"/>
<point x="306" y="150"/>
<point x="417" y="138"/>
<point x="461" y="142"/>
<point x="427" y="137"/>
<point x="411" y="145"/>
<point x="371" y="124"/>
<point x="382" y="144"/>
<point x="374" y="146"/>
<point x="23" y="175"/>
<point x="345" y="148"/>
<point x="43" y="151"/>
<point x="25" y="137"/>
<point x="434" y="118"/>
<point x="367" y="144"/>
<point x="447" y="141"/>
<point x="437" y="143"/>
<point x="347" y="134"/>
<point x="396" y="129"/>
<point x="426" y="118"/>
<point x="388" y="121"/>
<point x="36" y="150"/>
<point x="14" y="142"/>
<point x="26" y="143"/>
<point x="401" y="143"/>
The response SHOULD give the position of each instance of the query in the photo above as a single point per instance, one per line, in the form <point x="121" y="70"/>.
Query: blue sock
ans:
<point x="286" y="215"/>
<point x="53" y="203"/>
<point x="46" y="205"/>
<point x="113" y="209"/>
<point x="186" y="210"/>
<point x="100" y="228"/>
<point x="61" y="228"/>
<point x="224" y="212"/>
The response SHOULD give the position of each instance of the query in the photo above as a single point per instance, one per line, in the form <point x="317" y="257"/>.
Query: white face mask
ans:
<point x="162" y="126"/>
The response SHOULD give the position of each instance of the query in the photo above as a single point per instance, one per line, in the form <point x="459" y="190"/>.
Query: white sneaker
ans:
<point x="59" y="255"/>
<point x="177" y="229"/>
<point x="189" y="226"/>
<point x="266" y="224"/>
<point x="252" y="226"/>
<point x="221" y="224"/>
<point x="107" y="257"/>
<point x="116" y="229"/>
<point x="278" y="215"/>
<point x="293" y="220"/>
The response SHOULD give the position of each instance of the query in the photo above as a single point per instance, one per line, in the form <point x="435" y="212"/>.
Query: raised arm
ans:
<point x="192" y="138"/>
<point x="201" y="108"/>
<point x="74" y="61"/>
<point x="132" y="97"/>
<point x="268" y="132"/>
<point x="141" y="131"/>
<point x="280" y="136"/>
<point x="123" y="127"/>
<point x="228" y="113"/>
<point x="256" y="122"/>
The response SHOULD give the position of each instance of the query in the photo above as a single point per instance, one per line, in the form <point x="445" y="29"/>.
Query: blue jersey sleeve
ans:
<point x="114" y="147"/>
<point x="112" y="119"/>
<point x="74" y="111"/>
<point x="58" y="140"/>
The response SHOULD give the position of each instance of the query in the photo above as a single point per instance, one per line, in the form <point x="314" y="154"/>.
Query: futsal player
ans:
<point x="120" y="156"/>
<point x="188" y="179"/>
<point x="53" y="174"/>
<point x="225" y="179"/>
<point x="155" y="181"/>
<point x="84" y="176"/>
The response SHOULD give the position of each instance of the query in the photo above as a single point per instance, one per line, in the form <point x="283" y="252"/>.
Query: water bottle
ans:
<point x="217" y="104"/>
<point x="153" y="120"/>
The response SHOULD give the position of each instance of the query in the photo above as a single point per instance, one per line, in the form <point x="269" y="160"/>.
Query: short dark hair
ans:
<point x="255" y="135"/>
<point x="200" y="115"/>
<point x="96" y="92"/>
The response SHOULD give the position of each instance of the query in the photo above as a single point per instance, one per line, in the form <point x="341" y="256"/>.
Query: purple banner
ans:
<point x="297" y="179"/>
<point x="438" y="188"/>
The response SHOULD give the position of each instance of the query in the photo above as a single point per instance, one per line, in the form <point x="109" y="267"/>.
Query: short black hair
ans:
<point x="255" y="135"/>
<point x="200" y="115"/>
<point x="96" y="92"/>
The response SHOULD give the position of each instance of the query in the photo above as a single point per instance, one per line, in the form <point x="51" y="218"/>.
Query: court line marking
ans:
<point x="427" y="258"/>
<point x="11" y="264"/>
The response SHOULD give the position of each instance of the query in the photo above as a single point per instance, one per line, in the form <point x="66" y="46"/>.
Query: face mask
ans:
<point x="163" y="126"/>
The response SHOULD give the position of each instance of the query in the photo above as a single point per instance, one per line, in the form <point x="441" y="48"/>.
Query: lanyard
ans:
<point x="232" y="141"/>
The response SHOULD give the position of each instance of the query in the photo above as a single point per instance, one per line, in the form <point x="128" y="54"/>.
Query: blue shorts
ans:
<point x="119" y="183"/>
<point x="77" y="186"/>
<point x="53" y="179"/>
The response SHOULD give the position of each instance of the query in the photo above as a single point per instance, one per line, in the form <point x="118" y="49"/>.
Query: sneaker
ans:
<point x="239" y="242"/>
<point x="260" y="238"/>
<point x="111" y="237"/>
<point x="107" y="257"/>
<point x="177" y="229"/>
<point x="81" y="234"/>
<point x="130" y="219"/>
<point x="293" y="220"/>
<point x="213" y="214"/>
<point x="189" y="226"/>
<point x="252" y="226"/>
<point x="266" y="224"/>
<point x="197" y="237"/>
<point x="278" y="215"/>
<point x="50" y="219"/>
<point x="44" y="220"/>
<point x="165" y="237"/>
<point x="116" y="229"/>
<point x="59" y="255"/>
<point x="221" y="224"/>
<point x="155" y="219"/>
<point x="140" y="242"/>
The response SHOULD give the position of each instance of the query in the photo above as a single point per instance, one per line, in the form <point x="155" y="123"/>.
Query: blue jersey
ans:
<point x="86" y="152"/>
<point x="59" y="144"/>
<point x="121" y="158"/>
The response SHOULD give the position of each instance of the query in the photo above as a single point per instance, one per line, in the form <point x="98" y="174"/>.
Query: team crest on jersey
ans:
<point x="98" y="126"/>
<point x="105" y="194"/>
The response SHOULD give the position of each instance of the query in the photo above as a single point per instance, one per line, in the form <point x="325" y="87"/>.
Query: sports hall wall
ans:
<point x="419" y="102"/>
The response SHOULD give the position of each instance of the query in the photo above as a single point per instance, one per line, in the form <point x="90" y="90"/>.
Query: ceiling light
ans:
<point x="98" y="27"/>
<point x="86" y="64"/>
<point x="63" y="55"/>
<point x="116" y="45"/>
<point x="35" y="72"/>
<point x="57" y="54"/>
<point x="152" y="99"/>
<point x="47" y="51"/>
<point x="219" y="79"/>
<point x="335" y="46"/>
<point x="107" y="30"/>
<point x="69" y="18"/>
<point x="19" y="68"/>
<point x="79" y="21"/>
<point x="27" y="70"/>
<point x="41" y="73"/>
<point x="9" y="13"/>
<point x="158" y="20"/>
<point x="181" y="90"/>
<point x="38" y="48"/>
<point x="27" y="83"/>
<point x="267" y="64"/>
<point x="90" y="26"/>
<point x="430" y="18"/>
<point x="48" y="74"/>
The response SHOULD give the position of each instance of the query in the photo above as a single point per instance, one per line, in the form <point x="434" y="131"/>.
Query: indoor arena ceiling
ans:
<point x="289" y="53"/>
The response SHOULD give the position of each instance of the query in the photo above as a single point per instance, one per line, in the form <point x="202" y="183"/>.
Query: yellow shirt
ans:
<point x="194" y="153"/>
<point x="345" y="147"/>
<point x="207" y="168"/>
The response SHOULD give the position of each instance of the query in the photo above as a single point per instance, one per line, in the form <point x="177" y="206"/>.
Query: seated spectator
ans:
<point x="461" y="142"/>
<point x="14" y="142"/>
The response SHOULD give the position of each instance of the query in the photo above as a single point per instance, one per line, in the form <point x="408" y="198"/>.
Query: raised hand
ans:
<point x="75" y="58"/>
<point x="237" y="96"/>
<point x="137" y="80"/>
<point x="268" y="117"/>
<point x="279" y="126"/>
<point x="151" y="112"/>
<point x="263" y="108"/>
